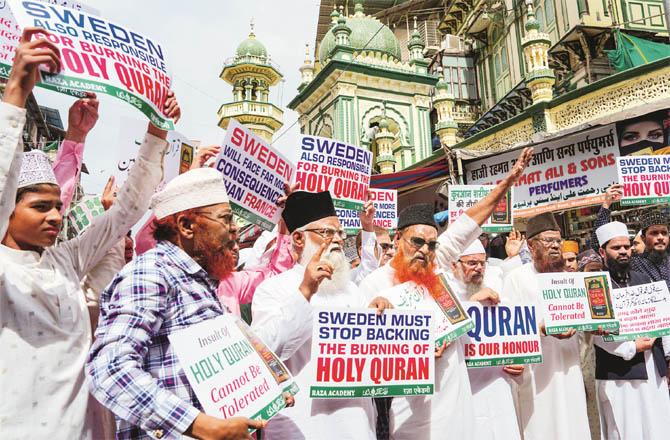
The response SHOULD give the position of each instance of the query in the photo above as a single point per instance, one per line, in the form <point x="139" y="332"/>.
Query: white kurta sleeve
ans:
<point x="368" y="260"/>
<point x="12" y="120"/>
<point x="281" y="317"/>
<point x="623" y="349"/>
<point x="458" y="236"/>
<point x="131" y="203"/>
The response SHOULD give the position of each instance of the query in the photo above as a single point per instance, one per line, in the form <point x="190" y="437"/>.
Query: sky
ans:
<point x="198" y="37"/>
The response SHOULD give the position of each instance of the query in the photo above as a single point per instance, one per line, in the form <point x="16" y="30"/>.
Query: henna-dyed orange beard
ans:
<point x="418" y="271"/>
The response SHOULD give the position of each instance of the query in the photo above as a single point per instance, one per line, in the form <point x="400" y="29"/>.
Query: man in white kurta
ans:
<point x="46" y="332"/>
<point x="323" y="419"/>
<point x="551" y="398"/>
<point x="495" y="413"/>
<point x="631" y="384"/>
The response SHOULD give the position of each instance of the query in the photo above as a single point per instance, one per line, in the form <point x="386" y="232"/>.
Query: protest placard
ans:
<point x="386" y="211"/>
<point x="645" y="179"/>
<point x="642" y="311"/>
<point x="330" y="165"/>
<point x="359" y="353"/>
<point x="576" y="300"/>
<point x="503" y="334"/>
<point x="83" y="213"/>
<point x="254" y="174"/>
<point x="569" y="172"/>
<point x="99" y="56"/>
<point x="231" y="371"/>
<point x="462" y="197"/>
<point x="130" y="135"/>
<point x="451" y="321"/>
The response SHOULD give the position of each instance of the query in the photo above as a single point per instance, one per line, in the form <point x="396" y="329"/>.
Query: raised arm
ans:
<point x="131" y="203"/>
<point x="22" y="80"/>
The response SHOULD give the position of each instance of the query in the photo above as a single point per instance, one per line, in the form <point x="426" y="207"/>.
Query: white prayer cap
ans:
<point x="475" y="248"/>
<point x="611" y="230"/>
<point x="193" y="189"/>
<point x="36" y="169"/>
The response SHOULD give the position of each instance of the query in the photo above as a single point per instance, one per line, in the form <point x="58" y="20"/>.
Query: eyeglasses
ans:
<point x="419" y="242"/>
<point x="224" y="219"/>
<point x="550" y="241"/>
<point x="385" y="246"/>
<point x="473" y="263"/>
<point x="328" y="233"/>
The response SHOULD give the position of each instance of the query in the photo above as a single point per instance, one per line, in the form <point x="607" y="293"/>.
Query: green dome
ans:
<point x="251" y="46"/>
<point x="362" y="28"/>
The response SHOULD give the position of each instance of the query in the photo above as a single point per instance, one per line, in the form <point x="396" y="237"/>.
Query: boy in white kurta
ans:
<point x="46" y="333"/>
<point x="318" y="240"/>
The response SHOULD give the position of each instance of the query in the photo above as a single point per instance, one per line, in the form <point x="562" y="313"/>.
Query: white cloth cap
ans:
<point x="36" y="169"/>
<point x="193" y="189"/>
<point x="611" y="230"/>
<point x="476" y="247"/>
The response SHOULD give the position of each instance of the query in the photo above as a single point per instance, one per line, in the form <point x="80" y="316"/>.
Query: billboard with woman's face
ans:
<point x="645" y="135"/>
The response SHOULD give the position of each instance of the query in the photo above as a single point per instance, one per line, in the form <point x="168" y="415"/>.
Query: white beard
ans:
<point x="341" y="268"/>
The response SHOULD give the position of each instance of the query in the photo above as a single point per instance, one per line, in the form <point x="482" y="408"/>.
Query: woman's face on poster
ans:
<point x="651" y="131"/>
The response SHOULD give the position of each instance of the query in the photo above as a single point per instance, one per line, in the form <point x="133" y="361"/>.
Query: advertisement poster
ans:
<point x="642" y="311"/>
<point x="503" y="334"/>
<point x="576" y="300"/>
<point x="83" y="213"/>
<point x="462" y="197"/>
<point x="451" y="320"/>
<point x="330" y="165"/>
<point x="100" y="56"/>
<point x="230" y="370"/>
<point x="386" y="211"/>
<point x="254" y="174"/>
<point x="645" y="179"/>
<point x="359" y="353"/>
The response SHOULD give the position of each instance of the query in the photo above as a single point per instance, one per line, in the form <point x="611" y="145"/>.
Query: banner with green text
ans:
<point x="576" y="300"/>
<point x="99" y="56"/>
<point x="231" y="371"/>
<point x="359" y="353"/>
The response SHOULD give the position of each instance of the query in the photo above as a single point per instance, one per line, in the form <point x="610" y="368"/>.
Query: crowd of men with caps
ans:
<point x="85" y="322"/>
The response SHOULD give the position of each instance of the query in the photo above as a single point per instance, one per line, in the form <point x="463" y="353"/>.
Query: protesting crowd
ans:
<point x="89" y="326"/>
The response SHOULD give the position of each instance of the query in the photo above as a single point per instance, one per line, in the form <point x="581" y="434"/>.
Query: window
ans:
<point x="459" y="73"/>
<point x="500" y="60"/>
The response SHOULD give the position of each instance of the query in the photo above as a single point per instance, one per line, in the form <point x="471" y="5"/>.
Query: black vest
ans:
<point x="612" y="367"/>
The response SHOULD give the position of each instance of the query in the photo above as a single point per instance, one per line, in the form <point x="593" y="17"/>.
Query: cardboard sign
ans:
<point x="330" y="165"/>
<point x="462" y="197"/>
<point x="503" y="334"/>
<point x="83" y="213"/>
<point x="643" y="311"/>
<point x="100" y="56"/>
<point x="451" y="321"/>
<point x="231" y="371"/>
<point x="566" y="173"/>
<point x="131" y="134"/>
<point x="645" y="179"/>
<point x="576" y="300"/>
<point x="358" y="353"/>
<point x="254" y="174"/>
<point x="386" y="211"/>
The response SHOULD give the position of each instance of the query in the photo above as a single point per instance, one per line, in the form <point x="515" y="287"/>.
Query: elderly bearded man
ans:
<point x="630" y="376"/>
<point x="552" y="403"/>
<point x="495" y="414"/>
<point x="133" y="369"/>
<point x="448" y="412"/>
<point x="321" y="277"/>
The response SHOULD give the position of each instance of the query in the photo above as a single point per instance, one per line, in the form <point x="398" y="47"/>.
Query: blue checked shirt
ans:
<point x="132" y="368"/>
